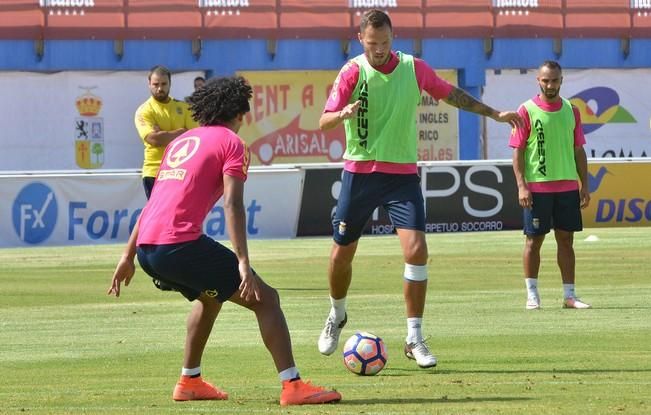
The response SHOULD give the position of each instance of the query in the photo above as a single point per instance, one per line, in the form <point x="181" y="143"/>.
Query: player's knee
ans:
<point x="534" y="243"/>
<point x="415" y="272"/>
<point x="269" y="301"/>
<point x="271" y="297"/>
<point x="342" y="256"/>
<point x="563" y="237"/>
<point x="416" y="253"/>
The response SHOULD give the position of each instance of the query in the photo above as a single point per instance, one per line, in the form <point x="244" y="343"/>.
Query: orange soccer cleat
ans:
<point x="297" y="392"/>
<point x="195" y="389"/>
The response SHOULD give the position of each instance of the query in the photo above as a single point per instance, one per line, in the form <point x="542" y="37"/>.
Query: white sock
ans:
<point x="532" y="287"/>
<point x="288" y="374"/>
<point x="414" y="332"/>
<point x="338" y="309"/>
<point x="568" y="291"/>
<point x="191" y="371"/>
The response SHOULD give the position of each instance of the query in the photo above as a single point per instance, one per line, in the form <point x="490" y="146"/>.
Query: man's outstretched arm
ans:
<point x="463" y="100"/>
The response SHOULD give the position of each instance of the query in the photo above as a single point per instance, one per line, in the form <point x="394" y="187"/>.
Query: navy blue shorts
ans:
<point x="362" y="193"/>
<point x="560" y="210"/>
<point x="193" y="267"/>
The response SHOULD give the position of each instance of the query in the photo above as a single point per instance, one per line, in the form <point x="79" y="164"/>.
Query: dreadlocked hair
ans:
<point x="220" y="100"/>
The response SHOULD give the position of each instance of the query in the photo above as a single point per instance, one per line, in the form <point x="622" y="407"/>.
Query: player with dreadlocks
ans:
<point x="198" y="168"/>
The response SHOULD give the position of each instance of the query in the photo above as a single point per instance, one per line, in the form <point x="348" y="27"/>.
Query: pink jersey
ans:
<point x="345" y="85"/>
<point x="520" y="136"/>
<point x="189" y="183"/>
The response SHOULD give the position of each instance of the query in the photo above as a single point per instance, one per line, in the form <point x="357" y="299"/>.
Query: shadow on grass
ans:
<point x="443" y="399"/>
<point x="549" y="371"/>
<point x="400" y="372"/>
<point x="408" y="372"/>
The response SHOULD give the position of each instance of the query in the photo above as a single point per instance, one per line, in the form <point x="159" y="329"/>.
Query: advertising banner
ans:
<point x="438" y="125"/>
<point x="92" y="209"/>
<point x="283" y="125"/>
<point x="469" y="198"/>
<point x="68" y="210"/>
<point x="458" y="198"/>
<point x="75" y="120"/>
<point x="318" y="202"/>
<point x="613" y="103"/>
<point x="620" y="195"/>
<point x="76" y="209"/>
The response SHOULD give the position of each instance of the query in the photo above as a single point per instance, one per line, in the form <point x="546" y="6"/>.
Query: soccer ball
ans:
<point x="364" y="354"/>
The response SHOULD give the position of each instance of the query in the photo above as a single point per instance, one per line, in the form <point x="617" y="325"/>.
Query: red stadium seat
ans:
<point x="641" y="23"/>
<point x="104" y="20"/>
<point x="458" y="19"/>
<point x="315" y="19"/>
<point x="21" y="19"/>
<point x="257" y="20"/>
<point x="163" y="19"/>
<point x="598" y="19"/>
<point x="543" y="20"/>
<point x="330" y="19"/>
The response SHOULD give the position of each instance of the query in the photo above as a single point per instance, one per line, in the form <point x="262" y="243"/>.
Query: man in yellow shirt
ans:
<point x="159" y="120"/>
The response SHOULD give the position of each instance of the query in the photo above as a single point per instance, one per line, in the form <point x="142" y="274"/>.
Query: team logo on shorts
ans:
<point x="211" y="293"/>
<point x="535" y="222"/>
<point x="342" y="228"/>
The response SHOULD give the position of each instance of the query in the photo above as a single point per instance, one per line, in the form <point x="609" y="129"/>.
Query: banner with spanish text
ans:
<point x="459" y="197"/>
<point x="283" y="125"/>
<point x="438" y="125"/>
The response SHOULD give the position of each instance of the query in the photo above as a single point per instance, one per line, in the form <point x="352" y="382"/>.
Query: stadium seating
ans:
<point x="163" y="19"/>
<point x="542" y="21"/>
<point x="106" y="20"/>
<point x="597" y="19"/>
<point x="257" y="20"/>
<point x="329" y="19"/>
<point x="315" y="19"/>
<point x="641" y="22"/>
<point x="19" y="19"/>
<point x="458" y="19"/>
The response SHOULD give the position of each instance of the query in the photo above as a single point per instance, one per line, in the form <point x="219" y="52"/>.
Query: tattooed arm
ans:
<point x="463" y="100"/>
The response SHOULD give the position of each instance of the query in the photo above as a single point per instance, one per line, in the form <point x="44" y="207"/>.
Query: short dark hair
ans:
<point x="375" y="18"/>
<point x="160" y="70"/>
<point x="220" y="100"/>
<point x="552" y="65"/>
<point x="199" y="78"/>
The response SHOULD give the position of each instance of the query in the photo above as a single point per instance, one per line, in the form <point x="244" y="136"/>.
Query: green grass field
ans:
<point x="68" y="348"/>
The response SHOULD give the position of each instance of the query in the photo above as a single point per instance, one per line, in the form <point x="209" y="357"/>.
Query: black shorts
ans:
<point x="148" y="185"/>
<point x="560" y="210"/>
<point x="362" y="193"/>
<point x="202" y="265"/>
